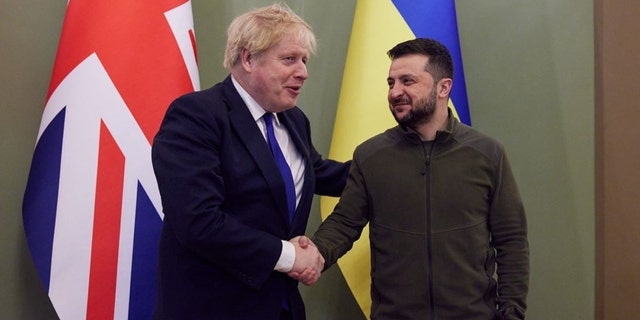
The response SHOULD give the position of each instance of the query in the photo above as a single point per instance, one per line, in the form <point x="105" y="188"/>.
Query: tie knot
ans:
<point x="268" y="117"/>
<point x="268" y="121"/>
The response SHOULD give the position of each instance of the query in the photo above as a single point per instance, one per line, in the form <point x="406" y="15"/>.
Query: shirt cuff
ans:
<point x="287" y="257"/>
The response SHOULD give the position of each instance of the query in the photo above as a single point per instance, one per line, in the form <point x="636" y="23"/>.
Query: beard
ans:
<point x="421" y="112"/>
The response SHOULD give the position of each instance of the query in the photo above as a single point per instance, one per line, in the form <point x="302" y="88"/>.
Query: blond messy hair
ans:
<point x="260" y="29"/>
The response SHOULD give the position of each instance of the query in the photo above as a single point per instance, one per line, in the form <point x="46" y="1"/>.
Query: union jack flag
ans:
<point x="92" y="212"/>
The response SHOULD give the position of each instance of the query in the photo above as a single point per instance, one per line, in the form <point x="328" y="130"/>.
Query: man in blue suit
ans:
<point x="224" y="252"/>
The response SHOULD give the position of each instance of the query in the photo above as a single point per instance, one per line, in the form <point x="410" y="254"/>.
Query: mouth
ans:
<point x="400" y="104"/>
<point x="294" y="89"/>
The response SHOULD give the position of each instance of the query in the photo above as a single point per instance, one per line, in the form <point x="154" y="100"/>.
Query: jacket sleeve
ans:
<point x="508" y="226"/>
<point x="330" y="175"/>
<point x="336" y="235"/>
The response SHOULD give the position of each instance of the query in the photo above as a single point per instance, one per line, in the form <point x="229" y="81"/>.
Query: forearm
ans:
<point x="335" y="237"/>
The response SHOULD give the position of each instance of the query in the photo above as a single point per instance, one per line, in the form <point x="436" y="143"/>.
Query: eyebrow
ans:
<point x="404" y="76"/>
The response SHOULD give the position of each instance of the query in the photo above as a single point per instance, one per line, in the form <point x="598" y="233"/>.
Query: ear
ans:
<point x="444" y="87"/>
<point x="246" y="59"/>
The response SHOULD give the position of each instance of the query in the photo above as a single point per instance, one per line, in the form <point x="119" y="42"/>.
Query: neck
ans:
<point x="428" y="130"/>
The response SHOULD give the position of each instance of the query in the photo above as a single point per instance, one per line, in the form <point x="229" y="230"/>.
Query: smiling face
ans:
<point x="275" y="77"/>
<point x="412" y="90"/>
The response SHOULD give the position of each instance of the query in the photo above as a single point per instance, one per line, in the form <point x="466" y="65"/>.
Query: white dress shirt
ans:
<point x="291" y="155"/>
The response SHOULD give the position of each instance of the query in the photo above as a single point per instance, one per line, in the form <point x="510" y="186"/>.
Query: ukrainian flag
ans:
<point x="363" y="109"/>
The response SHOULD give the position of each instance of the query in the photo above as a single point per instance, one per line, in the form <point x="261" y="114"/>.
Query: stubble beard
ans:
<point x="421" y="112"/>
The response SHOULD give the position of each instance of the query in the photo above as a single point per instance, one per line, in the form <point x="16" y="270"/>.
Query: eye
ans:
<point x="407" y="82"/>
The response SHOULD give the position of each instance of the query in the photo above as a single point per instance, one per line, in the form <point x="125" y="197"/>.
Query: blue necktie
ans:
<point x="285" y="171"/>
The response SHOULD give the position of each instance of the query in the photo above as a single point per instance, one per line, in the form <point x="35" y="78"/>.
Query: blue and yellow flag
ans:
<point x="363" y="109"/>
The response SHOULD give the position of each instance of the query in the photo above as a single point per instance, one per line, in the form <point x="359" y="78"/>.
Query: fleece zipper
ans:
<point x="430" y="289"/>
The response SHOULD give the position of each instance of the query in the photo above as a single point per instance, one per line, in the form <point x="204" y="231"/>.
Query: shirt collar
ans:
<point x="254" y="108"/>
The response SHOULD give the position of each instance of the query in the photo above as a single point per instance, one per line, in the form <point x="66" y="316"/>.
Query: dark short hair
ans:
<point x="440" y="64"/>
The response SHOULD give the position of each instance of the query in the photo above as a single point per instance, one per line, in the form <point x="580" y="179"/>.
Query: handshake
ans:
<point x="309" y="263"/>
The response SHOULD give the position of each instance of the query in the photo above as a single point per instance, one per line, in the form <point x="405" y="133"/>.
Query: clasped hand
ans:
<point x="309" y="262"/>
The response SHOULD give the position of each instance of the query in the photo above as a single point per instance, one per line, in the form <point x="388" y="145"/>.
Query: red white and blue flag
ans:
<point x="92" y="212"/>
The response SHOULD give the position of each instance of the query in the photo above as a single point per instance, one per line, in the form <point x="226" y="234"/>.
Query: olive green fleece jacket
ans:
<point x="445" y="223"/>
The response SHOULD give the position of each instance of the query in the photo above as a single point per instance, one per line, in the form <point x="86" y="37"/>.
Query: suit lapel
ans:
<point x="250" y="135"/>
<point x="303" y="150"/>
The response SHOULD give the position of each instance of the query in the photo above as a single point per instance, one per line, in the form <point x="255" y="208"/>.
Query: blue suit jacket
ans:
<point x="225" y="208"/>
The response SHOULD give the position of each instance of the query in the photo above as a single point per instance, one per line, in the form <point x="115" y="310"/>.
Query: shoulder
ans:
<point x="195" y="113"/>
<point x="199" y="99"/>
<point x="483" y="143"/>
<point x="390" y="137"/>
<point x="211" y="103"/>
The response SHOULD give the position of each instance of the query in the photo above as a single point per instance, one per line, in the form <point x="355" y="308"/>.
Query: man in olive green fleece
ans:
<point x="448" y="232"/>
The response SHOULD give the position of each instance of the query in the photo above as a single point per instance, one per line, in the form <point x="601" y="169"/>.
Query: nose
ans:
<point x="301" y="71"/>
<point x="395" y="91"/>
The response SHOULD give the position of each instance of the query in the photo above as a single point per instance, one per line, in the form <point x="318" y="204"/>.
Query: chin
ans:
<point x="401" y="115"/>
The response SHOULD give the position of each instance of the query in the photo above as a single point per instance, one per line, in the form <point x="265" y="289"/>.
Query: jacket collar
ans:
<point x="442" y="136"/>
